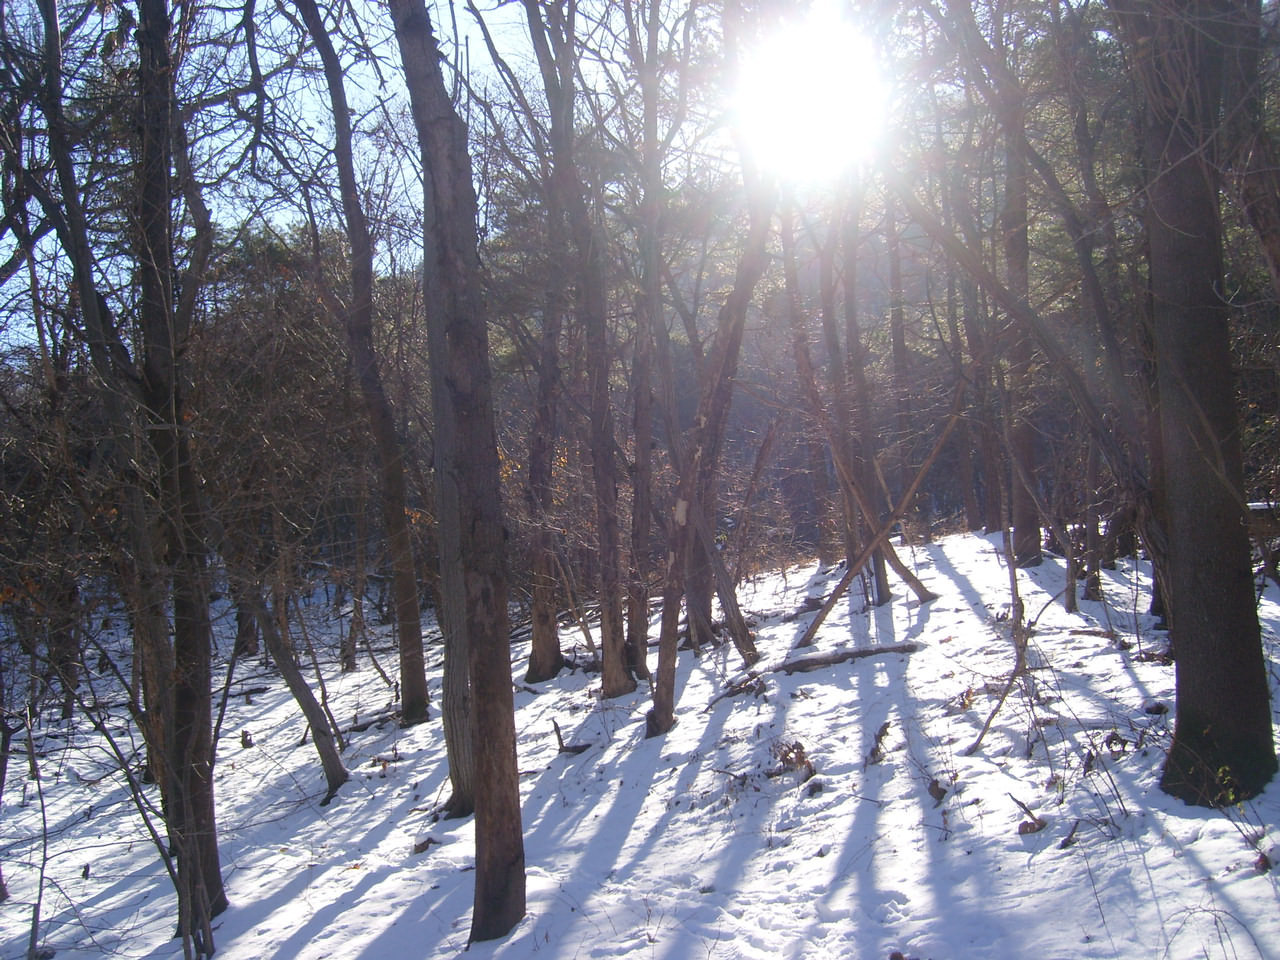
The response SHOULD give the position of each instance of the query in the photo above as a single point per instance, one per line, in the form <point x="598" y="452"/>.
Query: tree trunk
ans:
<point x="860" y="399"/>
<point x="963" y="446"/>
<point x="648" y="315"/>
<point x="809" y="395"/>
<point x="551" y="29"/>
<point x="322" y="733"/>
<point x="459" y="353"/>
<point x="6" y="737"/>
<point x="1017" y="256"/>
<point x="358" y="316"/>
<point x="177" y="737"/>
<point x="545" y="657"/>
<point x="1252" y="156"/>
<point x="697" y="468"/>
<point x="1222" y="749"/>
<point x="837" y="384"/>
<point x="359" y="577"/>
<point x="190" y="806"/>
<point x="899" y="357"/>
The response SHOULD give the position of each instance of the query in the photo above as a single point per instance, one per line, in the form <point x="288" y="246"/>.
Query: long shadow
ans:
<point x="423" y="919"/>
<point x="943" y="567"/>
<point x="736" y="848"/>
<point x="854" y="884"/>
<point x="863" y="892"/>
<point x="320" y="921"/>
<point x="692" y="765"/>
<point x="343" y="828"/>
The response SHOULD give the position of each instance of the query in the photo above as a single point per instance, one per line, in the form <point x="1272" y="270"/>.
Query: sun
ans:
<point x="809" y="100"/>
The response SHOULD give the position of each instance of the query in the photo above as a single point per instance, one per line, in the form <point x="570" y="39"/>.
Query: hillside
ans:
<point x="831" y="812"/>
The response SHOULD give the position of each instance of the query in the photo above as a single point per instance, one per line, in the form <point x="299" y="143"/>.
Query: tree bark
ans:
<point x="648" y="314"/>
<point x="860" y="398"/>
<point x="459" y="355"/>
<point x="545" y="656"/>
<point x="837" y="384"/>
<point x="1251" y="154"/>
<point x="1017" y="259"/>
<point x="810" y="397"/>
<point x="142" y="582"/>
<point x="900" y="360"/>
<point x="1222" y="749"/>
<point x="697" y="468"/>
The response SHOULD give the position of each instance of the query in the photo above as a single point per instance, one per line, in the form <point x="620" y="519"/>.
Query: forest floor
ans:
<point x="829" y="813"/>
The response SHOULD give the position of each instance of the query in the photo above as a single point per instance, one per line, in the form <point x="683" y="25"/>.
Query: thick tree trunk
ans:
<point x="1222" y="748"/>
<point x="545" y="657"/>
<point x="459" y="348"/>
<point x="456" y="694"/>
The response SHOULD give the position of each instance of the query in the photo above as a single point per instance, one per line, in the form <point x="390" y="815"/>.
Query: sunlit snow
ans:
<point x="831" y="813"/>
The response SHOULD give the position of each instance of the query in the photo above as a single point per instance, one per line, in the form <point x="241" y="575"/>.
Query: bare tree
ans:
<point x="1222" y="747"/>
<point x="467" y="467"/>
<point x="552" y="30"/>
<point x="358" y="314"/>
<point x="141" y="375"/>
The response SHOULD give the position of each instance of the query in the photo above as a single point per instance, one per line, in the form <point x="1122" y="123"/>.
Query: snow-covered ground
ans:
<point x="832" y="813"/>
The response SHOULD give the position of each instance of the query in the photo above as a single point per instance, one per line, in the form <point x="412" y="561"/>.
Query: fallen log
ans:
<point x="822" y="660"/>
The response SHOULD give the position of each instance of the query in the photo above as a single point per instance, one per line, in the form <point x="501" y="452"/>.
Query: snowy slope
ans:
<point x="832" y="813"/>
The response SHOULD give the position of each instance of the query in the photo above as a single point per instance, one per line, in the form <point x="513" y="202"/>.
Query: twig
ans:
<point x="34" y="938"/>
<point x="1019" y="645"/>
<point x="751" y="683"/>
<point x="222" y="703"/>
<point x="578" y="615"/>
<point x="368" y="646"/>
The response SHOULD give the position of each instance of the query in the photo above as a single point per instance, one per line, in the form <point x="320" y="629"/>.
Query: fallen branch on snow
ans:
<point x="818" y="662"/>
<point x="753" y="684"/>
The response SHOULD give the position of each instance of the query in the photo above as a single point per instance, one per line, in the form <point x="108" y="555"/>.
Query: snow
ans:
<point x="832" y="813"/>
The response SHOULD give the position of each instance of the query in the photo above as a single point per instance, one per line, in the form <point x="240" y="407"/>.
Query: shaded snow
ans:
<point x="715" y="841"/>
